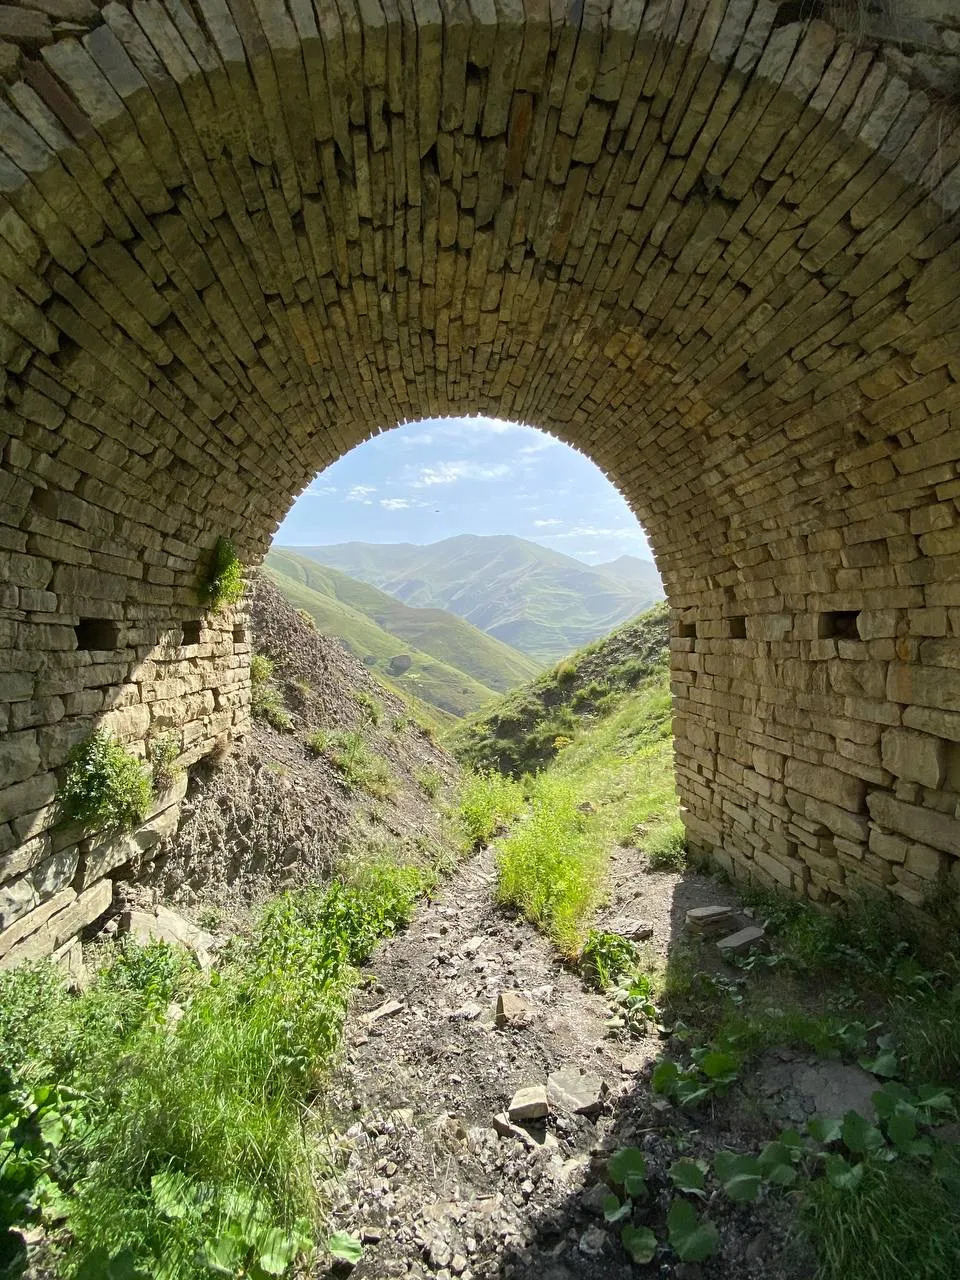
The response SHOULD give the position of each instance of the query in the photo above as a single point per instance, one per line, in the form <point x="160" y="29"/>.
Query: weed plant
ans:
<point x="106" y="787"/>
<point x="489" y="802"/>
<point x="266" y="700"/>
<point x="666" y="847"/>
<point x="163" y="754"/>
<point x="359" y="768"/>
<point x="196" y="1146"/>
<point x="223" y="583"/>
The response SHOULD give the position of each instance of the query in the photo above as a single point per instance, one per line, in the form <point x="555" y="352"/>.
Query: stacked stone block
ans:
<point x="714" y="248"/>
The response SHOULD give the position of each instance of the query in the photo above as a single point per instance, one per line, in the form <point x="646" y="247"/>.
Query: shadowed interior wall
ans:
<point x="713" y="247"/>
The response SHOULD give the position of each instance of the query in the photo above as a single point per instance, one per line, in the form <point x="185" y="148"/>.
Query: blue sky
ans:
<point x="430" y="480"/>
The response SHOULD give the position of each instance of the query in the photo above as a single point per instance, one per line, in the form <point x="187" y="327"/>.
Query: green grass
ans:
<point x="526" y="731"/>
<point x="359" y="768"/>
<point x="203" y="1129"/>
<point x="899" y="1224"/>
<point x="266" y="700"/>
<point x="489" y="802"/>
<point x="552" y="864"/>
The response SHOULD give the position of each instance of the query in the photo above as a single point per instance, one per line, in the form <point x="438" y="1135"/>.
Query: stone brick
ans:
<point x="825" y="784"/>
<point x="916" y="757"/>
<point x="939" y="830"/>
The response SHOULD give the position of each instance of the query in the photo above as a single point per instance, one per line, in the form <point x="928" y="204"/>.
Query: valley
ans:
<point x="538" y="601"/>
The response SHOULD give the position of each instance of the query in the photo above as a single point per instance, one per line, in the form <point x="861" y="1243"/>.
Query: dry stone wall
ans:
<point x="711" y="243"/>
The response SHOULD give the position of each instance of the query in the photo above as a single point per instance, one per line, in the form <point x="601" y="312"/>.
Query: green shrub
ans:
<point x="665" y="847"/>
<point x="106" y="787"/>
<point x="266" y="702"/>
<point x="369" y="705"/>
<point x="223" y="583"/>
<point x="163" y="752"/>
<point x="550" y="866"/>
<point x="430" y="783"/>
<point x="261" y="668"/>
<point x="318" y="743"/>
<point x="605" y="956"/>
<point x="307" y="618"/>
<point x="488" y="803"/>
<point x="360" y="769"/>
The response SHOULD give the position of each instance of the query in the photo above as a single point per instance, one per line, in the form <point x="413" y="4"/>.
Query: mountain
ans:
<point x="631" y="571"/>
<point x="536" y="600"/>
<point x="434" y="631"/>
<point x="429" y="652"/>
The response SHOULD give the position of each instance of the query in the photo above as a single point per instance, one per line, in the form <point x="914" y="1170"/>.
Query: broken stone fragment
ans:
<point x="575" y="1091"/>
<point x="738" y="944"/>
<point x="710" y="919"/>
<point x="529" y="1104"/>
<point x="512" y="1009"/>
<point x="383" y="1011"/>
<point x="534" y="1138"/>
<point x="633" y="930"/>
<point x="167" y="926"/>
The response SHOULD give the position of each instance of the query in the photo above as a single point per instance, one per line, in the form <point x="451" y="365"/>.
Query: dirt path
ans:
<point x="429" y="1183"/>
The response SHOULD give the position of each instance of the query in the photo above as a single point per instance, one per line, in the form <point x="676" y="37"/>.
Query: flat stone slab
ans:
<point x="634" y="930"/>
<point x="738" y="944"/>
<point x="710" y="919"/>
<point x="529" y="1104"/>
<point x="574" y="1090"/>
<point x="799" y="1086"/>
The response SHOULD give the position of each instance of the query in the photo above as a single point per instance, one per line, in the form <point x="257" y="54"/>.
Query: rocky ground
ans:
<point x="433" y="1176"/>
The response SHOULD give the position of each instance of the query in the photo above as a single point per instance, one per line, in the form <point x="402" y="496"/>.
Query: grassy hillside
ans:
<point x="435" y="683"/>
<point x="534" y="599"/>
<point x="520" y="733"/>
<point x="436" y="632"/>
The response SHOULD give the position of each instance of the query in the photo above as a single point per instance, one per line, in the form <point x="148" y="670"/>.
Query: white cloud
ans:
<point x="400" y="504"/>
<point x="537" y="446"/>
<point x="319" y="491"/>
<point x="451" y="472"/>
<point x="546" y="524"/>
<point x="594" y="531"/>
<point x="361" y="493"/>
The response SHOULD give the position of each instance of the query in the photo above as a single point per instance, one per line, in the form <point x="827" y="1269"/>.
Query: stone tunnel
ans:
<point x="712" y="244"/>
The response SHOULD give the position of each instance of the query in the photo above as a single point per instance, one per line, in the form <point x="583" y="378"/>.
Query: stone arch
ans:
<point x="709" y="243"/>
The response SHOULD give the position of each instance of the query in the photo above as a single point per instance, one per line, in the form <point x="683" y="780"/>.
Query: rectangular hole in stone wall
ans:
<point x="239" y="635"/>
<point x="97" y="633"/>
<point x="688" y="631"/>
<point x="191" y="633"/>
<point x="737" y="628"/>
<point x="841" y="624"/>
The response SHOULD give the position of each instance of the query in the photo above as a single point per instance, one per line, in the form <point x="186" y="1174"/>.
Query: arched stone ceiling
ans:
<point x="712" y="246"/>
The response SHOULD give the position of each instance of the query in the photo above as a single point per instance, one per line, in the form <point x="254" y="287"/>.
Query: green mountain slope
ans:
<point x="436" y="632"/>
<point x="534" y="599"/>
<point x="398" y="664"/>
<point x="525" y="730"/>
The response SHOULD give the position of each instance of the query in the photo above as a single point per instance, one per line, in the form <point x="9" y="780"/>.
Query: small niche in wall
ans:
<point x="841" y="624"/>
<point x="239" y="635"/>
<point x="97" y="633"/>
<point x="191" y="633"/>
<point x="737" y="628"/>
<point x="688" y="631"/>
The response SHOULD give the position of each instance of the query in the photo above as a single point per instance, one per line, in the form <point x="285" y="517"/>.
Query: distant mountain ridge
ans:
<point x="535" y="600"/>
<point x="427" y="652"/>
